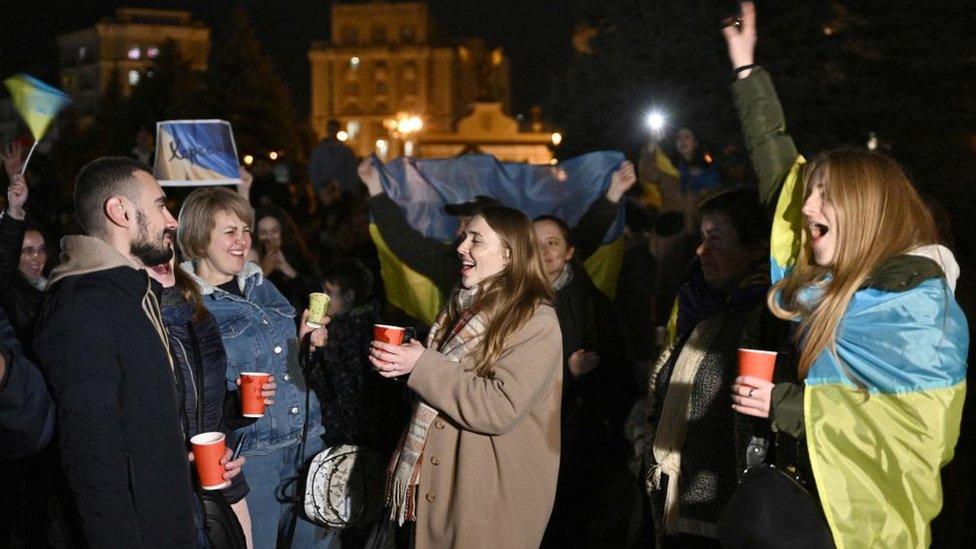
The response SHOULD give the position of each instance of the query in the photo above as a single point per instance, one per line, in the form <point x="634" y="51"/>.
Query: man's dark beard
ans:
<point x="150" y="253"/>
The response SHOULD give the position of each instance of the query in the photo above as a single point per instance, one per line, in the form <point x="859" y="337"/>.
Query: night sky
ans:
<point x="536" y="35"/>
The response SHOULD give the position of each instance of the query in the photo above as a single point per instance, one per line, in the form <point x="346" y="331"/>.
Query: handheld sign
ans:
<point x="191" y="153"/>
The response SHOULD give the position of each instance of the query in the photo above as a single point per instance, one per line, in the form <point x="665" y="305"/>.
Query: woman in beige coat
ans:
<point x="478" y="465"/>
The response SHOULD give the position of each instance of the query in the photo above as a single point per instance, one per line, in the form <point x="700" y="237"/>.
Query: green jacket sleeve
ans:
<point x="786" y="409"/>
<point x="771" y="149"/>
<point x="435" y="260"/>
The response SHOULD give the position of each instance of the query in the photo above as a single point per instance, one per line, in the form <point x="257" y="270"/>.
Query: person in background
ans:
<point x="285" y="259"/>
<point x="333" y="161"/>
<point x="257" y="327"/>
<point x="478" y="465"/>
<point x="695" y="444"/>
<point x="596" y="392"/>
<point x="103" y="347"/>
<point x="359" y="407"/>
<point x="23" y="254"/>
<point x="26" y="428"/>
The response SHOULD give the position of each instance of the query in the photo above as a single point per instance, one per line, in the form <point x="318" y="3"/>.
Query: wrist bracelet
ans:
<point x="737" y="70"/>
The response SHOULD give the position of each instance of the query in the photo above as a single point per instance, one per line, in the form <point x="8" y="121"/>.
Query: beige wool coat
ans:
<point x="489" y="468"/>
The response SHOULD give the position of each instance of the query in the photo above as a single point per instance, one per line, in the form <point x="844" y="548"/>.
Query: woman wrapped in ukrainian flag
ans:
<point x="882" y="343"/>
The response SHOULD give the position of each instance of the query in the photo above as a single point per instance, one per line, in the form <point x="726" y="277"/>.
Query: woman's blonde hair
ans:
<point x="879" y="216"/>
<point x="198" y="213"/>
<point x="509" y="298"/>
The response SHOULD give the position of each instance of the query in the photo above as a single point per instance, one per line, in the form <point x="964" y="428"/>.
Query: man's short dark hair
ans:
<point x="350" y="274"/>
<point x="100" y="180"/>
<point x="748" y="217"/>
<point x="333" y="126"/>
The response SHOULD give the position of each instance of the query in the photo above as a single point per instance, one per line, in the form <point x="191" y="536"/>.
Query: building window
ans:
<point x="407" y="35"/>
<point x="382" y="88"/>
<point x="350" y="35"/>
<point x="133" y="78"/>
<point x="379" y="35"/>
<point x="152" y="53"/>
<point x="352" y="88"/>
<point x="134" y="53"/>
<point x="82" y="53"/>
<point x="410" y="87"/>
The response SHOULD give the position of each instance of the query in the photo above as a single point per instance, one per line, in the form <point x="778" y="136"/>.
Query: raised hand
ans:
<point x="621" y="181"/>
<point x="17" y="196"/>
<point x="740" y="36"/>
<point x="12" y="158"/>
<point x="370" y="177"/>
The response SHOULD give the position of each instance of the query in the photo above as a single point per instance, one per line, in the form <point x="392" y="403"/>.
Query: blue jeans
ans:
<point x="266" y="473"/>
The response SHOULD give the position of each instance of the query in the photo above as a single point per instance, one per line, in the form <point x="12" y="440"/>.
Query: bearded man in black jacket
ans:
<point x="104" y="350"/>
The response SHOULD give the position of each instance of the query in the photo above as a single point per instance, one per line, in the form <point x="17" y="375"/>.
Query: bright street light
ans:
<point x="556" y="138"/>
<point x="342" y="135"/>
<point x="248" y="160"/>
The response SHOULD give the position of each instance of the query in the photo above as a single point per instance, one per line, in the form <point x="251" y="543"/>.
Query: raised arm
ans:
<point x="587" y="235"/>
<point x="435" y="260"/>
<point x="771" y="148"/>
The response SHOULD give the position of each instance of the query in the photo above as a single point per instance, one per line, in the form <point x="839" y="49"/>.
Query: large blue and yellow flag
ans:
<point x="882" y="413"/>
<point x="423" y="187"/>
<point x="36" y="102"/>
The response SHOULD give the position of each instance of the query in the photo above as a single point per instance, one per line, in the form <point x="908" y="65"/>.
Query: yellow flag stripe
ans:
<point x="406" y="288"/>
<point x="876" y="460"/>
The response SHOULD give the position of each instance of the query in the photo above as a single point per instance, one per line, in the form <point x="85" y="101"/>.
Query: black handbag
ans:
<point x="223" y="528"/>
<point x="772" y="508"/>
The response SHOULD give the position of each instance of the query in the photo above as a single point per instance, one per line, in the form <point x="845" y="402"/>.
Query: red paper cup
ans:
<point x="252" y="403"/>
<point x="208" y="448"/>
<point x="388" y="334"/>
<point x="756" y="363"/>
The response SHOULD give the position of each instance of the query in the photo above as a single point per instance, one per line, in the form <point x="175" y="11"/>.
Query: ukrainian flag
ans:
<point x="422" y="187"/>
<point x="36" y="102"/>
<point x="877" y="447"/>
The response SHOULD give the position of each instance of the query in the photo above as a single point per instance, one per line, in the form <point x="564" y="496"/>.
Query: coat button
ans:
<point x="294" y="410"/>
<point x="430" y="498"/>
<point x="277" y="349"/>
<point x="439" y="424"/>
<point x="434" y="461"/>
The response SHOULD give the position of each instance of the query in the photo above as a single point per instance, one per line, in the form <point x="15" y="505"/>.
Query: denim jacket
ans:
<point x="259" y="335"/>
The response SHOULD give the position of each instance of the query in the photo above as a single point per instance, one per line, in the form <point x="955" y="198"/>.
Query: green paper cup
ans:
<point x="318" y="307"/>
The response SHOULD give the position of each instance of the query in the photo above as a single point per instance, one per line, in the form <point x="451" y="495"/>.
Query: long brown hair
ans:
<point x="879" y="216"/>
<point x="191" y="293"/>
<point x="509" y="298"/>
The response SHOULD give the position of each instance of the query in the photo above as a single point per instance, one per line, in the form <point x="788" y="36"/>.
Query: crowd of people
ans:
<point x="535" y="410"/>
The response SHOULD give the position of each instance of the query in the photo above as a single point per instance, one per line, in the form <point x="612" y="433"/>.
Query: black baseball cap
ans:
<point x="470" y="207"/>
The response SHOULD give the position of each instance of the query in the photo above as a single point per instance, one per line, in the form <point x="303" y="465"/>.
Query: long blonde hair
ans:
<point x="509" y="298"/>
<point x="879" y="216"/>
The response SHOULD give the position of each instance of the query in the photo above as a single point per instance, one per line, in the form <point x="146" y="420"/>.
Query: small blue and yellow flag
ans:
<point x="36" y="102"/>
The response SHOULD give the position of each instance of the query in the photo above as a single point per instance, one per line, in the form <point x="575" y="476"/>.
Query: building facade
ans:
<point x="389" y="78"/>
<point x="123" y="47"/>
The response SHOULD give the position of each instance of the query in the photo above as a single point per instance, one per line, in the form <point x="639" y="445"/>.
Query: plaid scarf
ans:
<point x="403" y="473"/>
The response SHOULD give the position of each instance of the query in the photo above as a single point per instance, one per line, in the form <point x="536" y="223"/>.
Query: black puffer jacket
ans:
<point x="121" y="446"/>
<point x="200" y="358"/>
